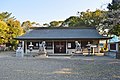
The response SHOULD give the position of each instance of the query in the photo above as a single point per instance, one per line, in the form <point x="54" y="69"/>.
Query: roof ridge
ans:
<point x="63" y="28"/>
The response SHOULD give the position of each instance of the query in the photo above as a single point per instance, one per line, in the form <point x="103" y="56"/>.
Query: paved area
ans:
<point x="58" y="68"/>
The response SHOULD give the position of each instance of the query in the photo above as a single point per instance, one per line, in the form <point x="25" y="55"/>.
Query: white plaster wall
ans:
<point x="50" y="51"/>
<point x="36" y="51"/>
<point x="69" y="51"/>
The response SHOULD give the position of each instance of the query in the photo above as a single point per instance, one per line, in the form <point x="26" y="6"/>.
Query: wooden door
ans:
<point x="60" y="47"/>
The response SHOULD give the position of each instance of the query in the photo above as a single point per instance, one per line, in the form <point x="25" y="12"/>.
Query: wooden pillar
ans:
<point x="117" y="47"/>
<point x="66" y="47"/>
<point x="25" y="46"/>
<point x="108" y="46"/>
<point x="98" y="47"/>
<point x="53" y="46"/>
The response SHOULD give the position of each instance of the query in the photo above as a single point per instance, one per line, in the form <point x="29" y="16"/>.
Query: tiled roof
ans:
<point x="61" y="34"/>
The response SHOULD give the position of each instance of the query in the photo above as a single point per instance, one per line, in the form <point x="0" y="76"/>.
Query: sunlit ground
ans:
<point x="64" y="68"/>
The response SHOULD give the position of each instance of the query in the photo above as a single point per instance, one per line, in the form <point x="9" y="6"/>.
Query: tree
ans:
<point x="114" y="5"/>
<point x="92" y="18"/>
<point x="71" y="21"/>
<point x="14" y="31"/>
<point x="86" y="19"/>
<point x="34" y="24"/>
<point x="97" y="19"/>
<point x="55" y="23"/>
<point x="9" y="29"/>
<point x="26" y="25"/>
<point x="3" y="32"/>
<point x="115" y="30"/>
<point x="45" y="25"/>
<point x="114" y="17"/>
<point x="4" y="16"/>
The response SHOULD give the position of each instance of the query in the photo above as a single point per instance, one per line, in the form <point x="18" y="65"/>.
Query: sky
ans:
<point x="45" y="11"/>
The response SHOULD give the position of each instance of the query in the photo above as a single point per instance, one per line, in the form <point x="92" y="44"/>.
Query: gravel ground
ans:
<point x="59" y="68"/>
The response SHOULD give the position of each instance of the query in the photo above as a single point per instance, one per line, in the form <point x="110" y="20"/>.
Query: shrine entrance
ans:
<point x="60" y="47"/>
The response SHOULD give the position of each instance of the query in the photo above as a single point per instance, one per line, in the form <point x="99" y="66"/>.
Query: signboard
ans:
<point x="69" y="45"/>
<point x="93" y="46"/>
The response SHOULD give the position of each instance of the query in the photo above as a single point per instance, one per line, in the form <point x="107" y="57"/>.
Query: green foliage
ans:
<point x="55" y="23"/>
<point x="26" y="25"/>
<point x="92" y="18"/>
<point x="14" y="30"/>
<point x="3" y="32"/>
<point x="88" y="18"/>
<point x="114" y="17"/>
<point x="46" y="25"/>
<point x="114" y="5"/>
<point x="9" y="29"/>
<point x="71" y="21"/>
<point x="4" y="16"/>
<point x="115" y="30"/>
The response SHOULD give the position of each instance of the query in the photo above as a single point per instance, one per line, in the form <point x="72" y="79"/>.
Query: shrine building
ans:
<point x="61" y="40"/>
